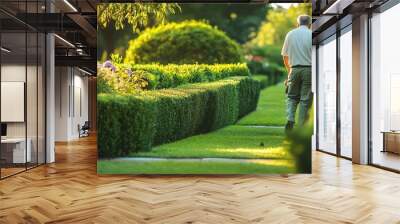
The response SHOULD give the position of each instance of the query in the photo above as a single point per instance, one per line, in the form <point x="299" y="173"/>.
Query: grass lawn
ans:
<point x="271" y="108"/>
<point x="190" y="167"/>
<point x="231" y="142"/>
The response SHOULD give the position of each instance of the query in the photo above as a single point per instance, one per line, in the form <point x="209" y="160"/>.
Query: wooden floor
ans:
<point x="70" y="191"/>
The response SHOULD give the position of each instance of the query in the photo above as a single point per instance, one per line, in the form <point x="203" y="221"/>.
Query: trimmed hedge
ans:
<point x="122" y="125"/>
<point x="248" y="96"/>
<point x="187" y="42"/>
<point x="137" y="122"/>
<point x="165" y="76"/>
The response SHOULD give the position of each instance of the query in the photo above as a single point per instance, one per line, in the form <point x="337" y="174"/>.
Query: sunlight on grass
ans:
<point x="269" y="152"/>
<point x="195" y="167"/>
<point x="231" y="142"/>
<point x="286" y="163"/>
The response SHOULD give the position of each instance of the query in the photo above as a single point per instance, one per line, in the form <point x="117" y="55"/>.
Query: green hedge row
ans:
<point x="166" y="76"/>
<point x="136" y="122"/>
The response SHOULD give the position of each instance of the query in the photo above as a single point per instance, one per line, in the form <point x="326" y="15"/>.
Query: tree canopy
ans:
<point x="137" y="15"/>
<point x="278" y="23"/>
<point x="239" y="21"/>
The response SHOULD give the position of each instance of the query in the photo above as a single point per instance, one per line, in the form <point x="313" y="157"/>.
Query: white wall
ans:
<point x="62" y="83"/>
<point x="71" y="102"/>
<point x="14" y="73"/>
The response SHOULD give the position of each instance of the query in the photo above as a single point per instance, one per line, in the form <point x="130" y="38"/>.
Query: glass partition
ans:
<point x="22" y="77"/>
<point x="346" y="93"/>
<point x="14" y="143"/>
<point x="385" y="89"/>
<point x="32" y="98"/>
<point x="41" y="96"/>
<point x="327" y="96"/>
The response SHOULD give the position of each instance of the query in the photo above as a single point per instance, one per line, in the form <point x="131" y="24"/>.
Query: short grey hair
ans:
<point x="304" y="20"/>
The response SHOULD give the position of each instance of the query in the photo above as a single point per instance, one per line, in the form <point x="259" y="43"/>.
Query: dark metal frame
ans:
<point x="369" y="90"/>
<point x="316" y="96"/>
<point x="338" y="75"/>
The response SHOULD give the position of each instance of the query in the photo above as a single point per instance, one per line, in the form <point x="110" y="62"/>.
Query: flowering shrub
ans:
<point x="119" y="78"/>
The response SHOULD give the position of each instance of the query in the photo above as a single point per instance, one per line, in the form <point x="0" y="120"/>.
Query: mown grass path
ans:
<point x="270" y="110"/>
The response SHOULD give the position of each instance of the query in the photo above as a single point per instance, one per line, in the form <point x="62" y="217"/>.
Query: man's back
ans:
<point x="298" y="46"/>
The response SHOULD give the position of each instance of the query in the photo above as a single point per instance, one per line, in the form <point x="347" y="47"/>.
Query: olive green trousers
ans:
<point x="299" y="92"/>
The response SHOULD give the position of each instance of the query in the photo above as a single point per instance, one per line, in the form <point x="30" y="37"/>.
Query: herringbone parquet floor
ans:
<point x="70" y="191"/>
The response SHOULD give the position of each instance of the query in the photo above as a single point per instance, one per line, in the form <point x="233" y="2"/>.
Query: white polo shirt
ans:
<point x="298" y="46"/>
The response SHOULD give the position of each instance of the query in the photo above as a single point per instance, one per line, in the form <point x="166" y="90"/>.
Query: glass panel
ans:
<point x="346" y="94"/>
<point x="327" y="96"/>
<point x="314" y="76"/>
<point x="41" y="99"/>
<point x="385" y="84"/>
<point x="32" y="98"/>
<point x="22" y="88"/>
<point x="14" y="151"/>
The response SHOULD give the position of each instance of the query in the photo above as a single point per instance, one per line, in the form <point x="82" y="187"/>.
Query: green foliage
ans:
<point x="167" y="76"/>
<point x="266" y="60"/>
<point x="120" y="22"/>
<point x="103" y="85"/>
<point x="262" y="79"/>
<point x="248" y="96"/>
<point x="137" y="15"/>
<point x="264" y="51"/>
<point x="300" y="145"/>
<point x="123" y="80"/>
<point x="188" y="42"/>
<point x="130" y="78"/>
<point x="137" y="122"/>
<point x="121" y="119"/>
<point x="239" y="21"/>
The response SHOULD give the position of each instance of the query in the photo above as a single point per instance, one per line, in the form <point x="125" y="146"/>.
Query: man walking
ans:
<point x="296" y="54"/>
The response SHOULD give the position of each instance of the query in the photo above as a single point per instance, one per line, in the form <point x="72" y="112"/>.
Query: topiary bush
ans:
<point x="187" y="42"/>
<point x="131" y="123"/>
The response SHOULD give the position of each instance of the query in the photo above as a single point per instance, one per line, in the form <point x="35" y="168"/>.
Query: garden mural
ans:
<point x="195" y="89"/>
